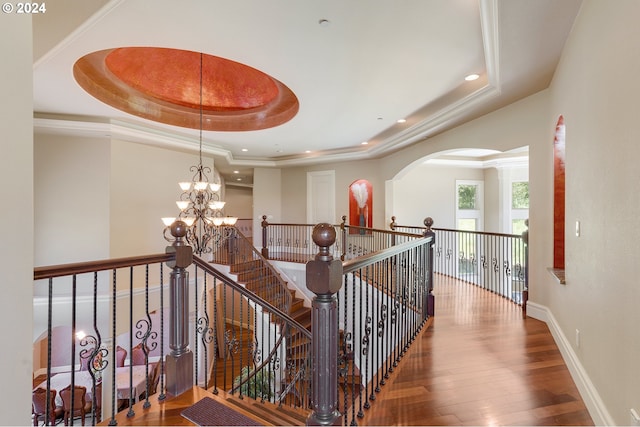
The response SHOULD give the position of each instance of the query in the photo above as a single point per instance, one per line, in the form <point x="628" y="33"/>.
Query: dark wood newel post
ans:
<point x="324" y="279"/>
<point x="525" y="290"/>
<point x="392" y="226"/>
<point x="265" y="249"/>
<point x="431" y="308"/>
<point x="179" y="361"/>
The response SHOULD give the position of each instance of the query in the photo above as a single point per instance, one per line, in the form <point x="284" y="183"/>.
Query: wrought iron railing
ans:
<point x="496" y="262"/>
<point x="370" y="314"/>
<point x="242" y="342"/>
<point x="232" y="328"/>
<point x="294" y="242"/>
<point x="109" y="301"/>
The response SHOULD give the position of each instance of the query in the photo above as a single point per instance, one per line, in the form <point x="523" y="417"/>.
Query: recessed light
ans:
<point x="471" y="77"/>
<point x="364" y="143"/>
<point x="324" y="22"/>
<point x="307" y="151"/>
<point x="401" y="120"/>
<point x="245" y="149"/>
<point x="236" y="171"/>
<point x="238" y="179"/>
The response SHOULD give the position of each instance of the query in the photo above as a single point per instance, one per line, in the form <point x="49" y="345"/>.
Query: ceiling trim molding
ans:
<point x="71" y="37"/>
<point x="435" y="122"/>
<point x="491" y="42"/>
<point x="498" y="163"/>
<point x="71" y="127"/>
<point x="490" y="25"/>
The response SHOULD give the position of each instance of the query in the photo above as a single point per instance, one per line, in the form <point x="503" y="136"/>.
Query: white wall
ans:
<point x="16" y="260"/>
<point x="596" y="89"/>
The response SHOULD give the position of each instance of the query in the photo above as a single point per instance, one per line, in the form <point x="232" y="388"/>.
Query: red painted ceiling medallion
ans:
<point x="163" y="85"/>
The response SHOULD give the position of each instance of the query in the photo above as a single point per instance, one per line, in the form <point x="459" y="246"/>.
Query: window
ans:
<point x="469" y="205"/>
<point x="519" y="206"/>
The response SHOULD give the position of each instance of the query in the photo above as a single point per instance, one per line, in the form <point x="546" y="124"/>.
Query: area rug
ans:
<point x="208" y="412"/>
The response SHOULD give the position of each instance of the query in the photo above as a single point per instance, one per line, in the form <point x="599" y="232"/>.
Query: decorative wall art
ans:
<point x="360" y="206"/>
<point x="558" y="194"/>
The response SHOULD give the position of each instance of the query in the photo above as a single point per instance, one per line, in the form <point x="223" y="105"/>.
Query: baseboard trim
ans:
<point x="596" y="407"/>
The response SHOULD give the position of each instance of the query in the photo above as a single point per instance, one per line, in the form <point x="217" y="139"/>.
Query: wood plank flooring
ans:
<point x="479" y="363"/>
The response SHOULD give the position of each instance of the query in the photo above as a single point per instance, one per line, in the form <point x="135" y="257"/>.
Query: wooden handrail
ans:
<point x="47" y="272"/>
<point x="368" y="259"/>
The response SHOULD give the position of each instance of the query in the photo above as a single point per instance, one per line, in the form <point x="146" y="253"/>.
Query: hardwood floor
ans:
<point x="479" y="363"/>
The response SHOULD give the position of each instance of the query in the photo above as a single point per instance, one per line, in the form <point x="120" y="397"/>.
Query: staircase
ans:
<point x="258" y="276"/>
<point x="260" y="281"/>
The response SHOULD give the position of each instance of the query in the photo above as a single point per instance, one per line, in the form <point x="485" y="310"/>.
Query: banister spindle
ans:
<point x="343" y="232"/>
<point x="525" y="290"/>
<point x="265" y="248"/>
<point x="324" y="279"/>
<point x="179" y="362"/>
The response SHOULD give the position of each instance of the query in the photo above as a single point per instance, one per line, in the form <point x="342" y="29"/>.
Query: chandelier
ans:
<point x="200" y="204"/>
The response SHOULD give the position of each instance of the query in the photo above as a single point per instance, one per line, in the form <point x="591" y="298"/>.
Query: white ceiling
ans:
<point x="375" y="62"/>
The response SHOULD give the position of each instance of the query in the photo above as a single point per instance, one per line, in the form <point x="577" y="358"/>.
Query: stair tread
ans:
<point x="278" y="415"/>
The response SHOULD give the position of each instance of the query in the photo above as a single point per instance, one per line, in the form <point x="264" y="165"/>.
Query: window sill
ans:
<point x="558" y="273"/>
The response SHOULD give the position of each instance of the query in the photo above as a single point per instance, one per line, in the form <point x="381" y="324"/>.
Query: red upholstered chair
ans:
<point x="137" y="355"/>
<point x="97" y="409"/>
<point x="79" y="400"/>
<point x="39" y="406"/>
<point x="121" y="354"/>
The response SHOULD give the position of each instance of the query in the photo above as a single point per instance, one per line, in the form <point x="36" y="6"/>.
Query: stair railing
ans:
<point x="294" y="242"/>
<point x="496" y="262"/>
<point x="122" y="303"/>
<point x="368" y="311"/>
<point x="274" y="351"/>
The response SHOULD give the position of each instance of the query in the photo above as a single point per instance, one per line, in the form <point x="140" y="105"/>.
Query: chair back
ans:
<point x="39" y="406"/>
<point x="121" y="354"/>
<point x="78" y="397"/>
<point x="137" y="355"/>
<point x="97" y="399"/>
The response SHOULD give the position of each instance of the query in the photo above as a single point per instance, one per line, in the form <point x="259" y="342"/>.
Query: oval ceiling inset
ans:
<point x="163" y="85"/>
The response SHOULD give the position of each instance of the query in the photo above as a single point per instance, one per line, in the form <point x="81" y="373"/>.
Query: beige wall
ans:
<point x="596" y="89"/>
<point x="143" y="189"/>
<point x="239" y="201"/>
<point x="71" y="190"/>
<point x="16" y="173"/>
<point x="430" y="190"/>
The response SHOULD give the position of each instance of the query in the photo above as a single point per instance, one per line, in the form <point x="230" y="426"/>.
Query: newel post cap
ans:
<point x="324" y="274"/>
<point x="182" y="251"/>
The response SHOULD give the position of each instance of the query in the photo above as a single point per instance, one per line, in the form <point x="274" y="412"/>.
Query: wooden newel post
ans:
<point x="179" y="361"/>
<point x="265" y="248"/>
<point x="525" y="290"/>
<point x="429" y="233"/>
<point x="392" y="226"/>
<point x="324" y="279"/>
